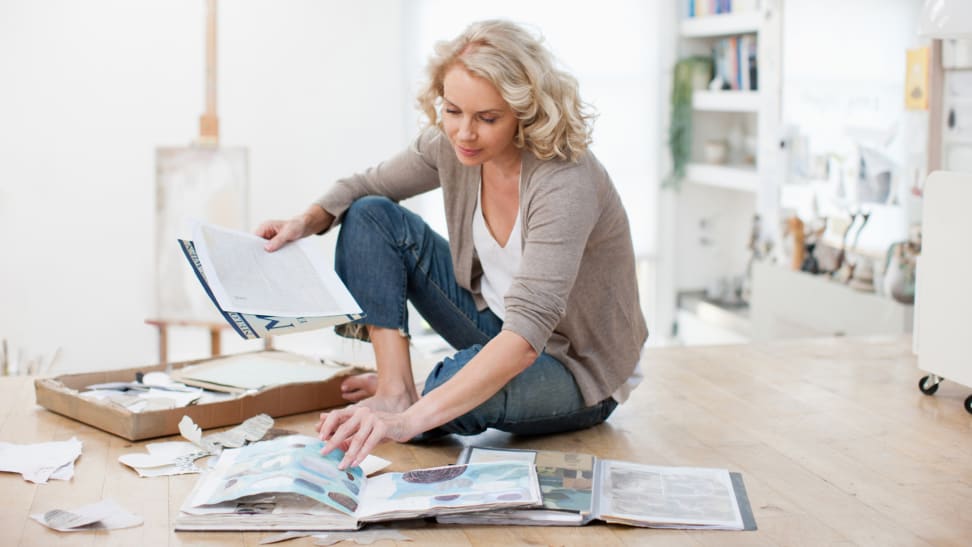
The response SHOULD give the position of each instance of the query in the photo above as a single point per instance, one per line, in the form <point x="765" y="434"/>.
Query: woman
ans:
<point x="536" y="285"/>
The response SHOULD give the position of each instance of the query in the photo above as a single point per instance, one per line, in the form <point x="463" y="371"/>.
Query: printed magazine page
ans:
<point x="253" y="326"/>
<point x="566" y="478"/>
<point x="566" y="486"/>
<point x="667" y="497"/>
<point x="448" y="489"/>
<point x="294" y="281"/>
<point x="288" y="465"/>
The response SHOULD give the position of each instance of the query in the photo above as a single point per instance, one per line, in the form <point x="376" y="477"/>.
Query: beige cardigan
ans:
<point x="576" y="295"/>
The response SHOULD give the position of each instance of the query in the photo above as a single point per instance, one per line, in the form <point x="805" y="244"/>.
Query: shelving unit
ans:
<point x="709" y="221"/>
<point x="791" y="304"/>
<point x="743" y="179"/>
<point x="956" y="134"/>
<point x="726" y="101"/>
<point x="727" y="24"/>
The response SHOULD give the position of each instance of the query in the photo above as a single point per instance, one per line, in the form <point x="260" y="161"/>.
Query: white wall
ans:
<point x="315" y="89"/>
<point x="89" y="89"/>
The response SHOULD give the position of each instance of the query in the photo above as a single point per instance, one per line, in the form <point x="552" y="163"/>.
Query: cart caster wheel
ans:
<point x="968" y="404"/>
<point x="931" y="389"/>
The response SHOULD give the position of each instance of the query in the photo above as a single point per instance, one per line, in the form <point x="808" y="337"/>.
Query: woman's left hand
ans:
<point x="358" y="429"/>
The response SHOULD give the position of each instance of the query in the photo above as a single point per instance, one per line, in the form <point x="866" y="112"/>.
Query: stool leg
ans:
<point x="214" y="342"/>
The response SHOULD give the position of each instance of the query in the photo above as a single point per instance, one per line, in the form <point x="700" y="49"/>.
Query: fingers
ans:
<point x="268" y="229"/>
<point x="347" y="433"/>
<point x="357" y="430"/>
<point x="365" y="429"/>
<point x="328" y="424"/>
<point x="284" y="235"/>
<point x="279" y="232"/>
<point x="276" y="242"/>
<point x="377" y="435"/>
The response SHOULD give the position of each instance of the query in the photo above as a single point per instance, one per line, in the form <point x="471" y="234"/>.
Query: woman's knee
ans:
<point x="448" y="367"/>
<point x="368" y="209"/>
<point x="360" y="228"/>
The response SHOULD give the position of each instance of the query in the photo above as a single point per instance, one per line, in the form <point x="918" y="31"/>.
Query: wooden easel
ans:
<point x="209" y="137"/>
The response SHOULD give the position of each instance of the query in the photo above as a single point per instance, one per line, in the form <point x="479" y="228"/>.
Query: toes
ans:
<point x="359" y="387"/>
<point x="360" y="382"/>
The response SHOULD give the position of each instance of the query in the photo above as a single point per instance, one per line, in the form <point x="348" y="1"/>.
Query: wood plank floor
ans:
<point x="835" y="443"/>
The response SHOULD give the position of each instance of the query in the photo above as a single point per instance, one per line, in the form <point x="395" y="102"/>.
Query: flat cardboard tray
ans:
<point x="61" y="395"/>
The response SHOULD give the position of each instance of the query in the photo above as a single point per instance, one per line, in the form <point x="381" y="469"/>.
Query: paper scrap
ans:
<point x="373" y="464"/>
<point x="252" y="429"/>
<point x="285" y="536"/>
<point x="276" y="432"/>
<point x="42" y="461"/>
<point x="366" y="537"/>
<point x="164" y="459"/>
<point x="104" y="515"/>
<point x="144" y="399"/>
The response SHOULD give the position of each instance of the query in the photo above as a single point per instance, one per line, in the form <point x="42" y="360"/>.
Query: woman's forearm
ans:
<point x="500" y="360"/>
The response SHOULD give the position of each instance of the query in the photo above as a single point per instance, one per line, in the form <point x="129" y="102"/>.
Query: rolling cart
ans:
<point x="943" y="303"/>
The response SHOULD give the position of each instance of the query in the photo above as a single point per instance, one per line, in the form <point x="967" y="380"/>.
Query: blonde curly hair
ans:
<point x="553" y="122"/>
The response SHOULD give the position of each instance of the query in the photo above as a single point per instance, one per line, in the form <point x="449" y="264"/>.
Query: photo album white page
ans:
<point x="293" y="281"/>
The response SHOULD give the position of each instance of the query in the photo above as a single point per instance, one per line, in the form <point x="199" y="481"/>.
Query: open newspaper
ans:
<point x="580" y="488"/>
<point x="258" y="293"/>
<point x="285" y="484"/>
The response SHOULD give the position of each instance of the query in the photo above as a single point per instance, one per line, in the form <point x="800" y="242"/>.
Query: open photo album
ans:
<point x="580" y="488"/>
<point x="258" y="293"/>
<point x="285" y="484"/>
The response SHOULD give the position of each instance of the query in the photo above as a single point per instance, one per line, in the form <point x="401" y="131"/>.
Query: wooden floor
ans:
<point x="836" y="445"/>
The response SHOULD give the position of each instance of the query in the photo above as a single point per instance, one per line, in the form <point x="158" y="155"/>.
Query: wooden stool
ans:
<point x="214" y="327"/>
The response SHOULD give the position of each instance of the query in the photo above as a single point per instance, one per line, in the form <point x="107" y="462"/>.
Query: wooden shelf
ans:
<point x="740" y="178"/>
<point x="726" y="101"/>
<point x="721" y="25"/>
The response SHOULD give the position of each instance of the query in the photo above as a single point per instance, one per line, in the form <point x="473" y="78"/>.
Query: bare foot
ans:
<point x="359" y="387"/>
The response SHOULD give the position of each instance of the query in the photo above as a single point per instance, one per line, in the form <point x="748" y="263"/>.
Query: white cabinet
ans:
<point x="792" y="304"/>
<point x="706" y="224"/>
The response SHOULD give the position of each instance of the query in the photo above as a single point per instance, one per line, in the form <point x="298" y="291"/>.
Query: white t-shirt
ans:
<point x="500" y="264"/>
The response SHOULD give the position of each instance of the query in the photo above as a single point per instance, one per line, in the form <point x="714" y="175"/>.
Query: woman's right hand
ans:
<point x="280" y="232"/>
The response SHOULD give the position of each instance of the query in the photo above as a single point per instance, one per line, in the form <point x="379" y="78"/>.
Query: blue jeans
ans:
<point x="387" y="255"/>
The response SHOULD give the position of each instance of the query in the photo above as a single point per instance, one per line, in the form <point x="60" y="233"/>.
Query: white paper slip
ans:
<point x="42" y="461"/>
<point x="104" y="515"/>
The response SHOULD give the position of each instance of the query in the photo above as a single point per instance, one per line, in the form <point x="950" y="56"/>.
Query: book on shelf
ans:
<point x="580" y="488"/>
<point x="735" y="62"/>
<point x="702" y="8"/>
<point x="260" y="293"/>
<point x="285" y="484"/>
